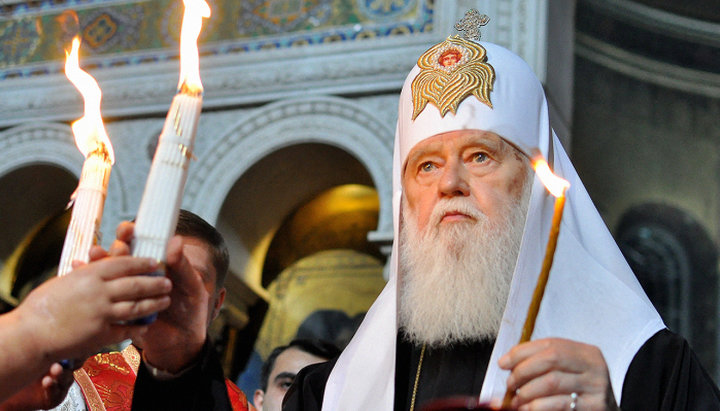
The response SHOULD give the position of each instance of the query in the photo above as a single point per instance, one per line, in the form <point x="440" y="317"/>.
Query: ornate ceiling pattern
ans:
<point x="132" y="32"/>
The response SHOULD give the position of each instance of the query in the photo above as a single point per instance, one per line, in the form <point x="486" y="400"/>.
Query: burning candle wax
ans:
<point x="92" y="140"/>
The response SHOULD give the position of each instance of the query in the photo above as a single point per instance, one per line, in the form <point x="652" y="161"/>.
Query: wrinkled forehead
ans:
<point x="516" y="111"/>
<point x="464" y="139"/>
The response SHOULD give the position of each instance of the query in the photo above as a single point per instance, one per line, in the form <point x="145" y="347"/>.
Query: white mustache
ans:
<point x="459" y="205"/>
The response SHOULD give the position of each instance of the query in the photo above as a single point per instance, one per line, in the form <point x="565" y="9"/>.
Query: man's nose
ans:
<point x="453" y="181"/>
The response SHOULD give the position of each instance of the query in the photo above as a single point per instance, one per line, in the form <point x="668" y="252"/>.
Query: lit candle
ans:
<point x="557" y="187"/>
<point x="160" y="204"/>
<point x="93" y="142"/>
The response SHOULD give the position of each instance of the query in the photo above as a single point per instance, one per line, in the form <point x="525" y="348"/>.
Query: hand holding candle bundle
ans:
<point x="158" y="212"/>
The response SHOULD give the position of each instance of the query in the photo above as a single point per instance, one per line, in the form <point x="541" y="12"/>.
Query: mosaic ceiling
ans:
<point x="34" y="34"/>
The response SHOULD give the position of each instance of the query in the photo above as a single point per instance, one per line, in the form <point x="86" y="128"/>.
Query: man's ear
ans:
<point x="258" y="399"/>
<point x="218" y="302"/>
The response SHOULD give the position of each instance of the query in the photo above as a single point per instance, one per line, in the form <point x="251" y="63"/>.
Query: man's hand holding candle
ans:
<point x="545" y="374"/>
<point x="174" y="341"/>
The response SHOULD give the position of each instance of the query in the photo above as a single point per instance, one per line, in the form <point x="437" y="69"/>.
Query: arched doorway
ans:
<point x="294" y="203"/>
<point x="33" y="217"/>
<point x="675" y="261"/>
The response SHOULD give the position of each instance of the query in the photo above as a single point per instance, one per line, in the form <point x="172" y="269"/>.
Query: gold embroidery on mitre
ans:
<point x="449" y="73"/>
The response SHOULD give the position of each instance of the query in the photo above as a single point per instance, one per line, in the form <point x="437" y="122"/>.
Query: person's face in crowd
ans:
<point x="198" y="254"/>
<point x="474" y="164"/>
<point x="286" y="367"/>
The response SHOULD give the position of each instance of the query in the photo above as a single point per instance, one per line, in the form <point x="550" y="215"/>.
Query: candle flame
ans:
<point x="89" y="130"/>
<point x="554" y="184"/>
<point x="195" y="10"/>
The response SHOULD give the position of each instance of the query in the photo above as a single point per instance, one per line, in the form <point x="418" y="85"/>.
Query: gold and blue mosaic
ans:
<point x="127" y="32"/>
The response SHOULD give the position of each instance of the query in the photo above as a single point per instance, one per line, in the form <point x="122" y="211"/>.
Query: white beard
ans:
<point x="455" y="278"/>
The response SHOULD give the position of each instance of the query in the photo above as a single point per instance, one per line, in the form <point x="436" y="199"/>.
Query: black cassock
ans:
<point x="664" y="375"/>
<point x="201" y="388"/>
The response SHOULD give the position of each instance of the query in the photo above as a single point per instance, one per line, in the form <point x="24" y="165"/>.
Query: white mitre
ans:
<point x="592" y="295"/>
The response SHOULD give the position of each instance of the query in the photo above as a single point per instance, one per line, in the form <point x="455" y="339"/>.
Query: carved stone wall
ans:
<point x="142" y="83"/>
<point x="262" y="92"/>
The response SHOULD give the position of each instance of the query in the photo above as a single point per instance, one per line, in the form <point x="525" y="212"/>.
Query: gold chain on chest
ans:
<point x="417" y="378"/>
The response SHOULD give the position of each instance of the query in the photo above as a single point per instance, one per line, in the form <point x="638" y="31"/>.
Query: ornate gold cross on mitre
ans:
<point x="455" y="69"/>
<point x="471" y="23"/>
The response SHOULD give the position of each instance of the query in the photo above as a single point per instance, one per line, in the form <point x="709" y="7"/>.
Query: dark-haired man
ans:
<point x="173" y="365"/>
<point x="282" y="365"/>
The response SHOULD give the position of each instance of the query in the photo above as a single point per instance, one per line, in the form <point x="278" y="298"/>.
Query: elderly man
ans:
<point x="471" y="223"/>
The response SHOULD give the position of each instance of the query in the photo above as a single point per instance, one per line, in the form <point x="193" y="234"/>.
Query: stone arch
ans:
<point x="327" y="120"/>
<point x="335" y="126"/>
<point x="53" y="144"/>
<point x="50" y="143"/>
<point x="675" y="260"/>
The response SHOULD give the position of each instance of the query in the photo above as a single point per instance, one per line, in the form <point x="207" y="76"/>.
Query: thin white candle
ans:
<point x="557" y="187"/>
<point x="92" y="140"/>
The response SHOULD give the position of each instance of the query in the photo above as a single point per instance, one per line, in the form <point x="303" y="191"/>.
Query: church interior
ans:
<point x="292" y="160"/>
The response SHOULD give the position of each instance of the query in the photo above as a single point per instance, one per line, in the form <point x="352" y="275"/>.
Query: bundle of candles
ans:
<point x="160" y="204"/>
<point x="89" y="197"/>
<point x="92" y="140"/>
<point x="159" y="208"/>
